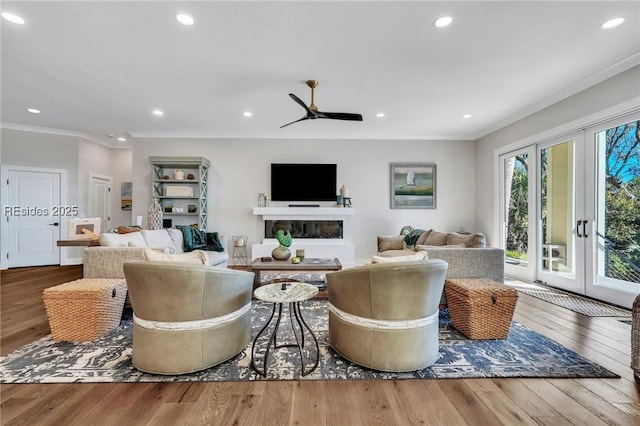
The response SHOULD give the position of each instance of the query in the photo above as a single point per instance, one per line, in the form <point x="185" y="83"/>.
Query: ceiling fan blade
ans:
<point x="303" y="118"/>
<point x="302" y="104"/>
<point x="339" y="116"/>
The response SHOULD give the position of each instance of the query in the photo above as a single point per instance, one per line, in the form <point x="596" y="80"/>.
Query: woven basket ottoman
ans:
<point x="84" y="309"/>
<point x="480" y="308"/>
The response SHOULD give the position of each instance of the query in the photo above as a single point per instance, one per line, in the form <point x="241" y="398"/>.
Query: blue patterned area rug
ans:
<point x="524" y="353"/>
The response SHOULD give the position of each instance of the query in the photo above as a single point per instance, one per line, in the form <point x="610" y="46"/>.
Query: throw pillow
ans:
<point x="436" y="238"/>
<point x="412" y="236"/>
<point x="157" y="238"/>
<point x="196" y="257"/>
<point x="390" y="242"/>
<point x="423" y="237"/>
<point x="213" y="242"/>
<point x="409" y="258"/>
<point x="122" y="240"/>
<point x="194" y="239"/>
<point x="469" y="240"/>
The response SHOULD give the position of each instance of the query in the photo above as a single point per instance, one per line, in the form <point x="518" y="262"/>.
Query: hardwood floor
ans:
<point x="402" y="402"/>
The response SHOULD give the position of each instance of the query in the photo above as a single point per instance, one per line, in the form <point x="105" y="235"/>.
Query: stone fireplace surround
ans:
<point x="319" y="246"/>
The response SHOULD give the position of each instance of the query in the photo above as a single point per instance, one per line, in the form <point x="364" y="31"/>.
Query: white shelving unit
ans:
<point x="162" y="176"/>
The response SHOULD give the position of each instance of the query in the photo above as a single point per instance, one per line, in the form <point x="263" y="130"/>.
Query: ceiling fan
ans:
<point x="312" y="110"/>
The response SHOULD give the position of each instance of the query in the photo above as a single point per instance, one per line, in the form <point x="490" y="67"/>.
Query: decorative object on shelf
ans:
<point x="282" y="252"/>
<point x="261" y="199"/>
<point x="190" y="176"/>
<point x="295" y="259"/>
<point x="346" y="201"/>
<point x="178" y="191"/>
<point x="339" y="200"/>
<point x="155" y="215"/>
<point x="413" y="186"/>
<point x="267" y="199"/>
<point x="344" y="190"/>
<point x="168" y="208"/>
<point x="178" y="174"/>
<point x="191" y="208"/>
<point x="300" y="254"/>
<point x="166" y="177"/>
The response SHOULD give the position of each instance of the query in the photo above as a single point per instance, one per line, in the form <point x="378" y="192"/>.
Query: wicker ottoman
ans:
<point x="84" y="309"/>
<point x="481" y="308"/>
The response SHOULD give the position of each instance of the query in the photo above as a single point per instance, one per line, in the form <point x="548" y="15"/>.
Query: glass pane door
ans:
<point x="516" y="211"/>
<point x="560" y="200"/>
<point x="615" y="248"/>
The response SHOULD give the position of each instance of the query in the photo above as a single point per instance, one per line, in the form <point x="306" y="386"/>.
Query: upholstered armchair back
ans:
<point x="385" y="316"/>
<point x="187" y="317"/>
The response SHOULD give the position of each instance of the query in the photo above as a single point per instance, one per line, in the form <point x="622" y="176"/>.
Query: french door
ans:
<point x="570" y="211"/>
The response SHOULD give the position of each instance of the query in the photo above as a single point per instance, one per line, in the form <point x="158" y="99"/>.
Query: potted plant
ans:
<point x="282" y="252"/>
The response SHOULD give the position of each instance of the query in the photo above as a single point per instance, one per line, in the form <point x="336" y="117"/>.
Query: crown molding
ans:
<point x="61" y="132"/>
<point x="573" y="89"/>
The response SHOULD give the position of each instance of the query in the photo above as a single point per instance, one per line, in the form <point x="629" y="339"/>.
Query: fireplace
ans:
<point x="312" y="229"/>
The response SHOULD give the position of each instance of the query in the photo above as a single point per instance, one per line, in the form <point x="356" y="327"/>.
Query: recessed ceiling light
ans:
<point x="158" y="112"/>
<point x="442" y="22"/>
<point x="33" y="110"/>
<point x="612" y="23"/>
<point x="380" y="114"/>
<point x="467" y="116"/>
<point x="13" y="18"/>
<point x="247" y="113"/>
<point x="184" y="19"/>
<point x="121" y="139"/>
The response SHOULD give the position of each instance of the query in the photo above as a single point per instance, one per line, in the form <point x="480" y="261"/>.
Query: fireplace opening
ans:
<point x="304" y="228"/>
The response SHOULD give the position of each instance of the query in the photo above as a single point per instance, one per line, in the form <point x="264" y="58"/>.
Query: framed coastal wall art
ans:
<point x="125" y="195"/>
<point x="413" y="186"/>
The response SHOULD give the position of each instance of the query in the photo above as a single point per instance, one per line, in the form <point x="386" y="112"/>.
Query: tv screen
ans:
<point x="303" y="182"/>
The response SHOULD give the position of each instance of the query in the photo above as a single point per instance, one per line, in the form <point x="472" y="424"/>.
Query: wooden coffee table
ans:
<point x="308" y="264"/>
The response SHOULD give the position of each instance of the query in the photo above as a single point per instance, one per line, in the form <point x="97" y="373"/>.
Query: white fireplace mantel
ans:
<point x="303" y="213"/>
<point x="340" y="248"/>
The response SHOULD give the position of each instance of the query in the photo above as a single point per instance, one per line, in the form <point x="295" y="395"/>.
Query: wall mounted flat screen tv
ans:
<point x="303" y="182"/>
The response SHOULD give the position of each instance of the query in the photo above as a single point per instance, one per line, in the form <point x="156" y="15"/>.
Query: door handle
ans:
<point x="578" y="228"/>
<point x="54" y="224"/>
<point x="584" y="228"/>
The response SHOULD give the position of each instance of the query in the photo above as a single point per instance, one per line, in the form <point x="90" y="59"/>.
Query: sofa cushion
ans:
<point x="176" y="237"/>
<point x="468" y="240"/>
<point x="158" y="239"/>
<point x="422" y="255"/>
<point x="394" y="253"/>
<point x="423" y="237"/>
<point x="122" y="240"/>
<point x="436" y="238"/>
<point x="390" y="242"/>
<point x="197" y="256"/>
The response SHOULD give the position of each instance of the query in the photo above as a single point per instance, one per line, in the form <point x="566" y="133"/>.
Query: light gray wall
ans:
<point x="78" y="157"/>
<point x="617" y="90"/>
<point x="240" y="170"/>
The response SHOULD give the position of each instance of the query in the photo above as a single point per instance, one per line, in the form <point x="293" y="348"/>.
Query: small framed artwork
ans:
<point x="413" y="186"/>
<point x="125" y="196"/>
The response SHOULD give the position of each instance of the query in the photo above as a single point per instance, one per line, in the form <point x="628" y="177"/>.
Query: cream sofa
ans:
<point x="466" y="254"/>
<point x="106" y="260"/>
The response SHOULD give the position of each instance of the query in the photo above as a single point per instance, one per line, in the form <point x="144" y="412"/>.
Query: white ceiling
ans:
<point x="100" y="68"/>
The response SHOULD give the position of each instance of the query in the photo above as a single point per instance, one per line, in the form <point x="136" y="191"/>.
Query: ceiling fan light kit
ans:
<point x="312" y="110"/>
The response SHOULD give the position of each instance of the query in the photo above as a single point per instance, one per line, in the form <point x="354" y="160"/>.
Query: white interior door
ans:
<point x="33" y="220"/>
<point x="99" y="199"/>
